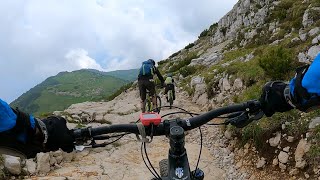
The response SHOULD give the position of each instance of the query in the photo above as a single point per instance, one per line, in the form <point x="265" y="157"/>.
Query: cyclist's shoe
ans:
<point x="156" y="110"/>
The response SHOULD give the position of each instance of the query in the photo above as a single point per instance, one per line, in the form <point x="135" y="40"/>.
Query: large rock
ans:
<point x="200" y="89"/>
<point x="12" y="164"/>
<point x="237" y="84"/>
<point x="224" y="84"/>
<point x="313" y="51"/>
<point x="314" y="31"/>
<point x="43" y="163"/>
<point x="306" y="20"/>
<point x="196" y="80"/>
<point x="314" y="122"/>
<point x="302" y="148"/>
<point x="316" y="40"/>
<point x="302" y="58"/>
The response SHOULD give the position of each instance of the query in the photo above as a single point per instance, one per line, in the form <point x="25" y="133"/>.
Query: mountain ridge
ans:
<point x="60" y="91"/>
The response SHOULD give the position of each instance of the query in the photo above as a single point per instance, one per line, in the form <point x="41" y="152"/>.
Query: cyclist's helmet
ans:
<point x="152" y="61"/>
<point x="169" y="74"/>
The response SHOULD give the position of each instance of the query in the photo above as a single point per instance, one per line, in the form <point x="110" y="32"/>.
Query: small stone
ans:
<point x="275" y="162"/>
<point x="290" y="139"/>
<point x="286" y="149"/>
<point x="274" y="142"/>
<point x="306" y="175"/>
<point x="239" y="165"/>
<point x="228" y="134"/>
<point x="261" y="163"/>
<point x="282" y="166"/>
<point x="283" y="126"/>
<point x="43" y="165"/>
<point x="293" y="172"/>
<point x="283" y="157"/>
<point x="31" y="166"/>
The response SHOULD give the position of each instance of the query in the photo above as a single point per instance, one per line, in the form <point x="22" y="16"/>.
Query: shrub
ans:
<point x="174" y="54"/>
<point x="186" y="61"/>
<point x="277" y="62"/>
<point x="190" y="45"/>
<point x="203" y="33"/>
<point x="187" y="70"/>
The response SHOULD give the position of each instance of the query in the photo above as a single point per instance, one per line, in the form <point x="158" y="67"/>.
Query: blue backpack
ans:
<point x="7" y="117"/>
<point x="146" y="69"/>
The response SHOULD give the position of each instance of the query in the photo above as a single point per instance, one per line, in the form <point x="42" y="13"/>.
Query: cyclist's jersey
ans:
<point x="311" y="79"/>
<point x="8" y="120"/>
<point x="169" y="80"/>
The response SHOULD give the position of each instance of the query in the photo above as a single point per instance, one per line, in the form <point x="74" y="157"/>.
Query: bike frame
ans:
<point x="178" y="164"/>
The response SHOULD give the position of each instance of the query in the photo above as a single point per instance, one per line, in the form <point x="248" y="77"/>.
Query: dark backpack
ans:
<point x="146" y="69"/>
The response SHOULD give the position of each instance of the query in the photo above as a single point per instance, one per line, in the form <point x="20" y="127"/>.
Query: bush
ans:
<point x="203" y="33"/>
<point x="174" y="54"/>
<point x="186" y="61"/>
<point x="277" y="62"/>
<point x="190" y="45"/>
<point x="187" y="70"/>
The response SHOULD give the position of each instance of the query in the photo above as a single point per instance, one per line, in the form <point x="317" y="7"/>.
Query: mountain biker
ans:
<point x="146" y="81"/>
<point x="29" y="135"/>
<point x="302" y="92"/>
<point x="169" y="85"/>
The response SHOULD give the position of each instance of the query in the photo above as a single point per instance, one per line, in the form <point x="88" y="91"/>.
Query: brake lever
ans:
<point x="244" y="119"/>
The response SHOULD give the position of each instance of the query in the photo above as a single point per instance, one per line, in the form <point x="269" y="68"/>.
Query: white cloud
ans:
<point x="79" y="59"/>
<point x="41" y="38"/>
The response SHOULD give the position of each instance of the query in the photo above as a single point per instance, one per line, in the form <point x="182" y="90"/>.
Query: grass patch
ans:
<point x="313" y="155"/>
<point x="277" y="62"/>
<point x="186" y="61"/>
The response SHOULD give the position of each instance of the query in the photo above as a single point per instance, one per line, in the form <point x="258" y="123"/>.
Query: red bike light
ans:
<point x="150" y="118"/>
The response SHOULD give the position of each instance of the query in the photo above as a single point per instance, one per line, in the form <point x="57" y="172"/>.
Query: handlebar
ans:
<point x="250" y="110"/>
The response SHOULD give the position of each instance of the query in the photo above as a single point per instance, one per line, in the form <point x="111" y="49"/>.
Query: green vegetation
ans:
<point x="314" y="153"/>
<point x="204" y="33"/>
<point x="174" y="54"/>
<point x="277" y="62"/>
<point x="60" y="91"/>
<point x="190" y="45"/>
<point x="186" y="61"/>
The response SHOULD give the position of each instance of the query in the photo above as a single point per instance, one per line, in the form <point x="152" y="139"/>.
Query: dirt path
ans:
<point x="122" y="160"/>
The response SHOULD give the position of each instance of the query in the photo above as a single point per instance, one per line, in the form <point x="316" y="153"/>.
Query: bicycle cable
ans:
<point x="191" y="114"/>
<point x="154" y="172"/>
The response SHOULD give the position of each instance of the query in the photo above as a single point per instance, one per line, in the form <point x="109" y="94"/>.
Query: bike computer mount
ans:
<point x="150" y="118"/>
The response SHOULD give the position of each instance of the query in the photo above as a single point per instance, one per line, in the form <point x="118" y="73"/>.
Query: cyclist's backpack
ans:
<point x="7" y="117"/>
<point x="168" y="80"/>
<point x="146" y="69"/>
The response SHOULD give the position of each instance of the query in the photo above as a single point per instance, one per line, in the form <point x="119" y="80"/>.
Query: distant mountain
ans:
<point x="66" y="88"/>
<point x="129" y="75"/>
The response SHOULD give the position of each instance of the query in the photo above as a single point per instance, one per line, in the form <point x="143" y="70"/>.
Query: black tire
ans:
<point x="170" y="98"/>
<point x="163" y="165"/>
<point x="158" y="103"/>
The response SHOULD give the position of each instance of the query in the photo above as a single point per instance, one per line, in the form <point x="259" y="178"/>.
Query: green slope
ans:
<point x="66" y="88"/>
<point x="129" y="75"/>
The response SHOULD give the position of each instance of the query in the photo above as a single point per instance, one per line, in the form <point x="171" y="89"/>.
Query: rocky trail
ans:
<point x="122" y="160"/>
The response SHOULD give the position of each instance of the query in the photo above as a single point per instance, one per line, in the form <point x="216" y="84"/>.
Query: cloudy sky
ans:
<point x="39" y="38"/>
